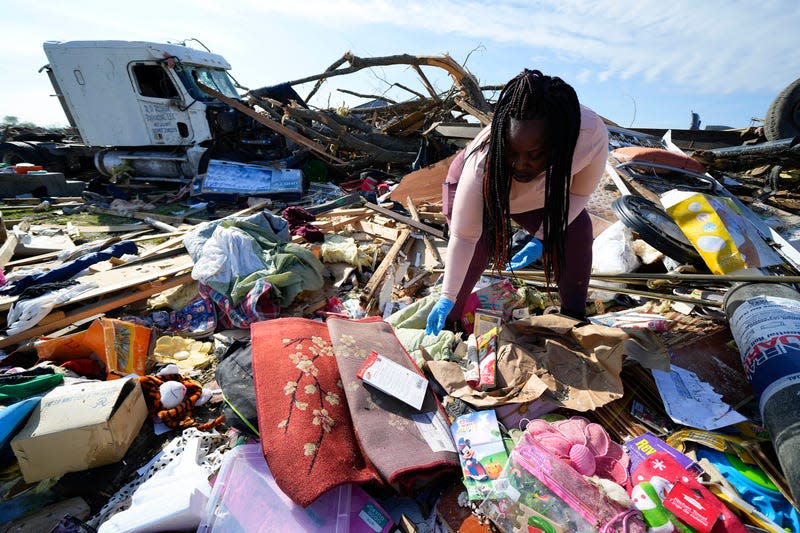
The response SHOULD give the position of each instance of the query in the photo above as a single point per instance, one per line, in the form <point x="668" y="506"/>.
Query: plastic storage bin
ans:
<point x="246" y="499"/>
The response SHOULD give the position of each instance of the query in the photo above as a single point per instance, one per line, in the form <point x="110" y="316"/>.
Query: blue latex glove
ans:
<point x="438" y="315"/>
<point x="529" y="253"/>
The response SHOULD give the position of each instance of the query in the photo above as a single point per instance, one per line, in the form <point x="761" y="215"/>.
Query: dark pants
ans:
<point x="573" y="283"/>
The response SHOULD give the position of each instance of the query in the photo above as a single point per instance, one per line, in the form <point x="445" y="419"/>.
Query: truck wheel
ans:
<point x="783" y="117"/>
<point x="11" y="154"/>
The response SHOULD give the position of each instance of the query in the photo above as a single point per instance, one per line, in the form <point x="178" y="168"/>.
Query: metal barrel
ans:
<point x="765" y="321"/>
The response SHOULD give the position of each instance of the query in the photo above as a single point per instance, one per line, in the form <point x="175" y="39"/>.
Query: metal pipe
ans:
<point x="646" y="294"/>
<point x="727" y="278"/>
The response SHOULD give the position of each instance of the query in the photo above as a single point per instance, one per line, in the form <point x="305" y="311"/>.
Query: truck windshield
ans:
<point x="217" y="79"/>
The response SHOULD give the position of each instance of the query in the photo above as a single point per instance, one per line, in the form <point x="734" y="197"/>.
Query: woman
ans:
<point x="537" y="164"/>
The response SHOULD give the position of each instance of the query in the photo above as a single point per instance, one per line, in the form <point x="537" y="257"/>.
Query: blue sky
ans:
<point x="645" y="64"/>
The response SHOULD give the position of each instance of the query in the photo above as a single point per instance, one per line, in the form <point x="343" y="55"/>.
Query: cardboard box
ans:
<point x="77" y="427"/>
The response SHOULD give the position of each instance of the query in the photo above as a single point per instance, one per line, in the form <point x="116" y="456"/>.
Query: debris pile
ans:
<point x="245" y="349"/>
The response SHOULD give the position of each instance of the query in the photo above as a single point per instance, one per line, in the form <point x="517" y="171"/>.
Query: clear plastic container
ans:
<point x="246" y="499"/>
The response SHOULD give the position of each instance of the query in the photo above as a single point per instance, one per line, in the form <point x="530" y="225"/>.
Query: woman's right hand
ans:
<point x="438" y="315"/>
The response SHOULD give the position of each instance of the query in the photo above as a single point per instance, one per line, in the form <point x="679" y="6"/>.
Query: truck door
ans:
<point x="162" y="105"/>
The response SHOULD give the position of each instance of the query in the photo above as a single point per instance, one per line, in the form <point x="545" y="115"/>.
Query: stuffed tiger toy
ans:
<point x="179" y="417"/>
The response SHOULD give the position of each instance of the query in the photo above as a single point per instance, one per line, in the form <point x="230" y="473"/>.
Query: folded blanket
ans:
<point x="403" y="443"/>
<point x="306" y="431"/>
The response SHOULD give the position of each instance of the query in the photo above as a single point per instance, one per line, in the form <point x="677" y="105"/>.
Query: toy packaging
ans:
<point x="481" y="451"/>
<point x="539" y="492"/>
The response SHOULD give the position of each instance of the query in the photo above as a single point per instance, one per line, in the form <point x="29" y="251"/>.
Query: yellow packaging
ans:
<point x="725" y="240"/>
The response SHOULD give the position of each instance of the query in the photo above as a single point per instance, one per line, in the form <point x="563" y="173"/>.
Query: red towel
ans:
<point x="305" y="426"/>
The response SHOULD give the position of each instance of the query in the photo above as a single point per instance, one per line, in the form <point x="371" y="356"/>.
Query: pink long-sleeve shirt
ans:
<point x="468" y="170"/>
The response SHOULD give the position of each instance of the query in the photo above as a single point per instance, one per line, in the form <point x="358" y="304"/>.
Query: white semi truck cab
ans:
<point x="138" y="104"/>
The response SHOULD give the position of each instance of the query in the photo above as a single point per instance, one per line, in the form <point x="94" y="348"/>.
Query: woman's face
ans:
<point x="526" y="155"/>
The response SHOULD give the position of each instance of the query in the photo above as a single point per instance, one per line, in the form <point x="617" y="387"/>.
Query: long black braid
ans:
<point x="532" y="95"/>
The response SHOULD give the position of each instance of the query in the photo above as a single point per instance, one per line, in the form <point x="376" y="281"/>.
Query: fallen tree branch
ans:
<point x="466" y="81"/>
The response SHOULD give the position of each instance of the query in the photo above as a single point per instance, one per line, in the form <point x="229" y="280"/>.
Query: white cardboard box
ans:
<point x="76" y="427"/>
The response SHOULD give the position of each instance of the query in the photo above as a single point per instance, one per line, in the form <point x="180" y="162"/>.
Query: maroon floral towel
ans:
<point x="305" y="426"/>
<point x="403" y="443"/>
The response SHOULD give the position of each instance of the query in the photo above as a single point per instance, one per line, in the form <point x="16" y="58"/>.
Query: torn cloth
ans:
<point x="300" y="224"/>
<point x="576" y="367"/>
<point x="239" y="253"/>
<point x="67" y="270"/>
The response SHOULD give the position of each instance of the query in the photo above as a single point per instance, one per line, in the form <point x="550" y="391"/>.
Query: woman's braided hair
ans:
<point x="532" y="95"/>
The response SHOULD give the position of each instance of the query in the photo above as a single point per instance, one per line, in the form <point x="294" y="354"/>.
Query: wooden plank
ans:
<point x="375" y="281"/>
<point x="7" y="250"/>
<point x="120" y="228"/>
<point x="121" y="278"/>
<point x="425" y="239"/>
<point x="167" y="219"/>
<point x="379" y="230"/>
<point x="405" y="220"/>
<point x="103" y="306"/>
<point x="271" y="124"/>
<point x="37" y="201"/>
<point x="135" y="237"/>
<point x="342" y="212"/>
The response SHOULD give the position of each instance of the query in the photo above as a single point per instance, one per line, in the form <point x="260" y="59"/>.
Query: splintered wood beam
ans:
<point x="406" y="220"/>
<point x="271" y="124"/>
<point x="374" y="283"/>
<point x="425" y="239"/>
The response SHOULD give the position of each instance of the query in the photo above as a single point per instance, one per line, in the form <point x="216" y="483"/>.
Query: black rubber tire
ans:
<point x="11" y="154"/>
<point x="783" y="117"/>
<point x="656" y="228"/>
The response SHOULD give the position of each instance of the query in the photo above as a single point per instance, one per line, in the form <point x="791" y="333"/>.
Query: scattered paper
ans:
<point x="692" y="402"/>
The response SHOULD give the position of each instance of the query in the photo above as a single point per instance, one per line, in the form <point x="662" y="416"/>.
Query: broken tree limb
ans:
<point x="483" y="117"/>
<point x="367" y="96"/>
<point x="349" y="141"/>
<point x="336" y="64"/>
<point x="425" y="239"/>
<point x="784" y="152"/>
<point x="406" y="220"/>
<point x="426" y="82"/>
<point x="466" y="81"/>
<point x="271" y="124"/>
<point x="369" y="134"/>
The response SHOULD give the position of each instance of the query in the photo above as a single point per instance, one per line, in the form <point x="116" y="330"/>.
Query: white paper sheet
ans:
<point x="692" y="402"/>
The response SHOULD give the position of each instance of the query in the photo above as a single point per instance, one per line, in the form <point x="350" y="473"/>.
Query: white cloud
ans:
<point x="584" y="75"/>
<point x="710" y="47"/>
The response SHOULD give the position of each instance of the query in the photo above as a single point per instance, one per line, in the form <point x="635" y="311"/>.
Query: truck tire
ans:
<point x="12" y="153"/>
<point x="783" y="117"/>
<point x="656" y="228"/>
